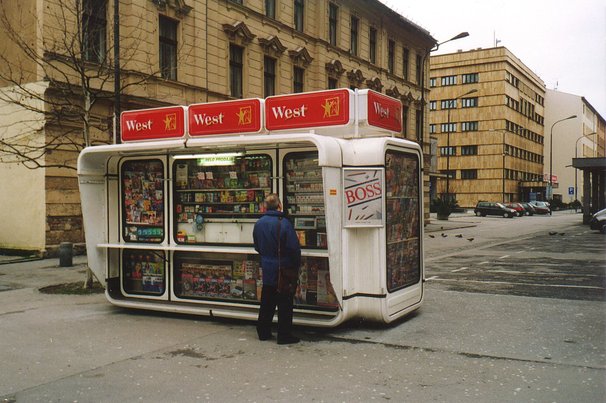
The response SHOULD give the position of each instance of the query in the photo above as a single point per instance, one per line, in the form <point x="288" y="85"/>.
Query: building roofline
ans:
<point x="415" y="26"/>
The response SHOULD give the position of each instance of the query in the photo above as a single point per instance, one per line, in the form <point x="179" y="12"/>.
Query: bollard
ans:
<point x="66" y="253"/>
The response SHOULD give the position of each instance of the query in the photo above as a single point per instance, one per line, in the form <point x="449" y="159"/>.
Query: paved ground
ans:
<point x="471" y="341"/>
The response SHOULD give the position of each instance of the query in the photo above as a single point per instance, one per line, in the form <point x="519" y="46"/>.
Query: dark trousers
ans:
<point x="270" y="298"/>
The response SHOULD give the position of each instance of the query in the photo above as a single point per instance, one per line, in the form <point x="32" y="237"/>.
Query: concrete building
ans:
<point x="581" y="137"/>
<point x="174" y="52"/>
<point x="487" y="115"/>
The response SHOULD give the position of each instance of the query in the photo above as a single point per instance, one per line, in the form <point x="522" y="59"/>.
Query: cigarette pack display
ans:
<point x="143" y="272"/>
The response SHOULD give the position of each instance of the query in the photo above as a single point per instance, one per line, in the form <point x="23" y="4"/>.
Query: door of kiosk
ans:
<point x="169" y="221"/>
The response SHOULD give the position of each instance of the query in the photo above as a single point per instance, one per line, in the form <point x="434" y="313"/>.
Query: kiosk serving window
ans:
<point x="402" y="226"/>
<point x="143" y="200"/>
<point x="218" y="188"/>
<point x="304" y="198"/>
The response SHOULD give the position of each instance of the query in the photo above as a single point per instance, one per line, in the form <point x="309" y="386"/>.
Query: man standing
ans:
<point x="277" y="243"/>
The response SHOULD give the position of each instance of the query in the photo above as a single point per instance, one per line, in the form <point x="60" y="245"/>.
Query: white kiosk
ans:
<point x="169" y="213"/>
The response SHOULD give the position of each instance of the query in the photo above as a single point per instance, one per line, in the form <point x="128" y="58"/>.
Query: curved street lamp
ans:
<point x="576" y="145"/>
<point x="551" y="153"/>
<point x="448" y="151"/>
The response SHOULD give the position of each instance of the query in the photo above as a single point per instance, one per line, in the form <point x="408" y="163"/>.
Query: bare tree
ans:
<point x="62" y="80"/>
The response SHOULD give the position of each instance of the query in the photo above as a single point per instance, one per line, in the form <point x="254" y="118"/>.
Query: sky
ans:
<point x="562" y="41"/>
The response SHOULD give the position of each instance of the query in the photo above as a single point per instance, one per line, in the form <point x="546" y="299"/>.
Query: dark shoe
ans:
<point x="290" y="339"/>
<point x="264" y="337"/>
<point x="264" y="334"/>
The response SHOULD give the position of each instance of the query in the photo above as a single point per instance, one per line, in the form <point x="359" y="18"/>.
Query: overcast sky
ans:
<point x="562" y="41"/>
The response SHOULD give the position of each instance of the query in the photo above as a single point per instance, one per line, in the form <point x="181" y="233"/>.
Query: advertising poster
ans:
<point x="364" y="197"/>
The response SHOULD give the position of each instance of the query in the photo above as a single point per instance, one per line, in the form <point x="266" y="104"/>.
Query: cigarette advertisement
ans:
<point x="364" y="197"/>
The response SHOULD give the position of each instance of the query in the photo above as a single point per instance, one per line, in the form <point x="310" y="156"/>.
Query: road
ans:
<point x="513" y="329"/>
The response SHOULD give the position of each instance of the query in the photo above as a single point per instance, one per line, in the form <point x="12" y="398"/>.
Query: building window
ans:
<point x="469" y="174"/>
<point x="269" y="76"/>
<point x="419" y="68"/>
<point x="405" y="63"/>
<point x="433" y="105"/>
<point x="333" y="83"/>
<point x="353" y="46"/>
<point x="270" y="8"/>
<point x="432" y="82"/>
<point x="445" y="127"/>
<point x="94" y="30"/>
<point x="372" y="55"/>
<point x="449" y="80"/>
<point x="469" y="102"/>
<point x="299" y="12"/>
<point x="432" y="128"/>
<point x="470" y="78"/>
<point x="332" y="23"/>
<point x="168" y="48"/>
<point x="391" y="56"/>
<point x="452" y="174"/>
<point x="236" y="1"/>
<point x="469" y="150"/>
<point x="298" y="75"/>
<point x="235" y="70"/>
<point x="448" y="151"/>
<point x="418" y="122"/>
<point x="469" y="126"/>
<point x="448" y="104"/>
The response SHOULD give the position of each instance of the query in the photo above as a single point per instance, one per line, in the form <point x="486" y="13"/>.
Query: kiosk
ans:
<point x="169" y="213"/>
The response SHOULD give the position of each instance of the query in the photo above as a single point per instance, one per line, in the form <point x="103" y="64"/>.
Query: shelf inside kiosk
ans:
<point x="218" y="187"/>
<point x="304" y="198"/>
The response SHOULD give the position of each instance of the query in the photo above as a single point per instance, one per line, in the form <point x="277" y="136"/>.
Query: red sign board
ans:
<point x="152" y="124"/>
<point x="225" y="117"/>
<point x="312" y="109"/>
<point x="384" y="112"/>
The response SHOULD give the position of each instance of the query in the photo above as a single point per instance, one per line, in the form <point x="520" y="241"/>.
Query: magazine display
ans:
<point x="403" y="212"/>
<point x="143" y="272"/>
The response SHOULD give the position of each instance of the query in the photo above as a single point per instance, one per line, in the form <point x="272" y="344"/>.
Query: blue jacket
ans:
<point x="265" y="235"/>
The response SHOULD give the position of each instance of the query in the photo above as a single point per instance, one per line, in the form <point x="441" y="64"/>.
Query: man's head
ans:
<point x="272" y="202"/>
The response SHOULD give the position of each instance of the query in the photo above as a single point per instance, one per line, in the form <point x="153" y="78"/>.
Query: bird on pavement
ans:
<point x="552" y="232"/>
<point x="470" y="239"/>
<point x="431" y="236"/>
<point x="459" y="236"/>
<point x="444" y="235"/>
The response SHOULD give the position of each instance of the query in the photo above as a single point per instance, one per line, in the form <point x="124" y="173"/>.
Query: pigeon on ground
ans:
<point x="459" y="236"/>
<point x="431" y="236"/>
<point x="444" y="235"/>
<point x="470" y="239"/>
<point x="552" y="232"/>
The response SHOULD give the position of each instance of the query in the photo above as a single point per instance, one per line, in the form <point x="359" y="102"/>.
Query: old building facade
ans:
<point x="487" y="115"/>
<point x="182" y="52"/>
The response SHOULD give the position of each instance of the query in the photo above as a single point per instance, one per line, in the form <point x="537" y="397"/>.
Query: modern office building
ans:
<point x="487" y="111"/>
<point x="172" y="52"/>
<point x="580" y="137"/>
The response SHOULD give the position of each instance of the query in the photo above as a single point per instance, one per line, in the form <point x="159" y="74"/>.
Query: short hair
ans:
<point x="272" y="201"/>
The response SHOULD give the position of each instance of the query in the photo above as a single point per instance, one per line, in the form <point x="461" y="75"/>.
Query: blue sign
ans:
<point x="571" y="190"/>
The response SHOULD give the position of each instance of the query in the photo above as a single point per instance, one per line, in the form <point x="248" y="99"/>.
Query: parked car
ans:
<point x="598" y="221"/>
<point x="541" y="207"/>
<point x="520" y="210"/>
<point x="530" y="210"/>
<point x="489" y="208"/>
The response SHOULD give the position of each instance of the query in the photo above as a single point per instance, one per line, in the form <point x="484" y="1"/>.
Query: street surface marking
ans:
<point x="531" y="284"/>
<point x="431" y="278"/>
<point x="503" y="257"/>
<point x="459" y="269"/>
<point x="486" y="262"/>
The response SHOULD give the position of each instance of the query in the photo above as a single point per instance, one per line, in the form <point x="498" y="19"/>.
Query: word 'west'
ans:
<point x="282" y="112"/>
<point x="138" y="126"/>
<point x="208" y="120"/>
<point x="381" y="111"/>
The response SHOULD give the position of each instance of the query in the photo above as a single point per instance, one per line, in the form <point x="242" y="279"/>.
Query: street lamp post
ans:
<point x="448" y="151"/>
<point x="551" y="153"/>
<point x="421" y="134"/>
<point x="504" y="153"/>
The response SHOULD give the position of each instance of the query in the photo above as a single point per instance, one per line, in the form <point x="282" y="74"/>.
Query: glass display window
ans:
<point x="143" y="272"/>
<point x="304" y="198"/>
<point x="215" y="187"/>
<point x="403" y="215"/>
<point x="315" y="289"/>
<point x="142" y="183"/>
<point x="222" y="276"/>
